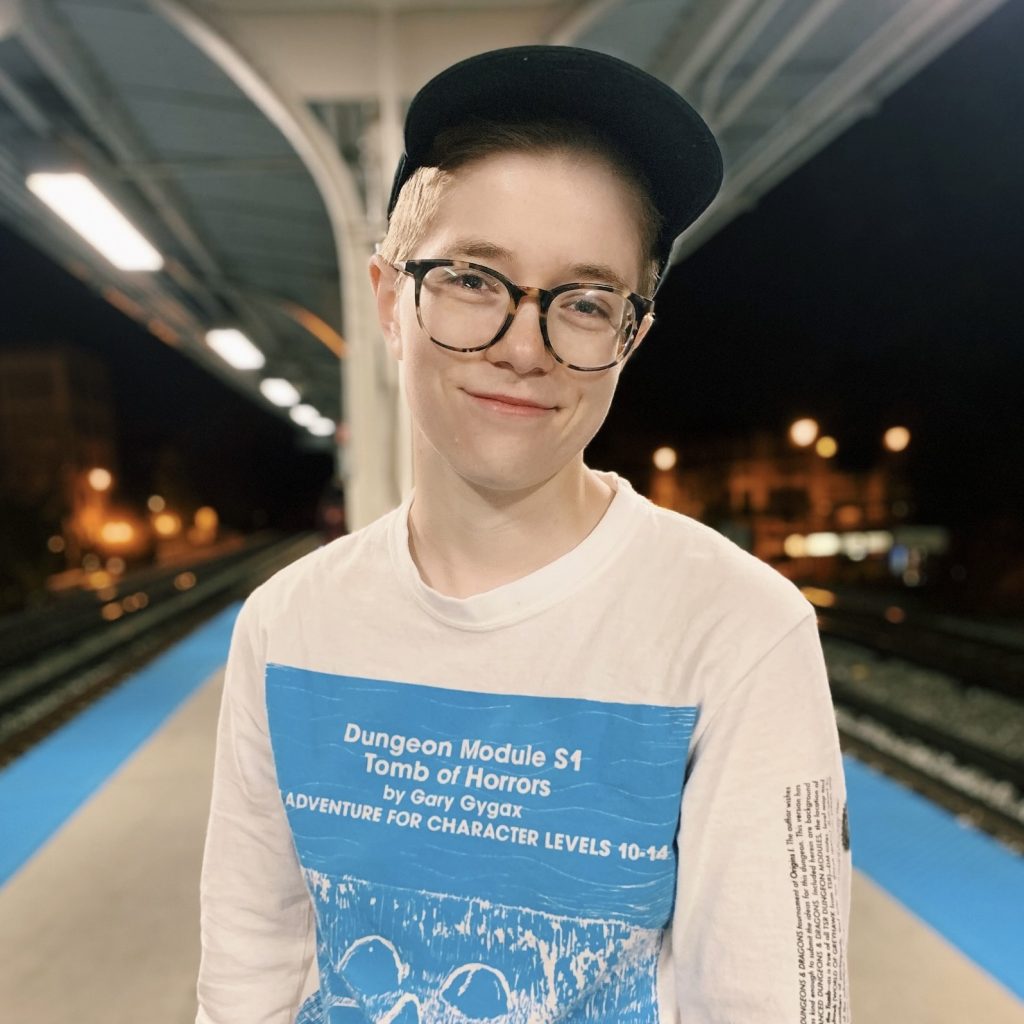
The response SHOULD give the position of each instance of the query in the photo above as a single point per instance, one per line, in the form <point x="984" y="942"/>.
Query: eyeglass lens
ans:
<point x="466" y="308"/>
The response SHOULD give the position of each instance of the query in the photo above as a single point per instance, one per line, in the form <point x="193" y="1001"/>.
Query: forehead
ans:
<point x="539" y="216"/>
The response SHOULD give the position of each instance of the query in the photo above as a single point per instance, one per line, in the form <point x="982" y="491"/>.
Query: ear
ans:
<point x="645" y="325"/>
<point x="384" y="281"/>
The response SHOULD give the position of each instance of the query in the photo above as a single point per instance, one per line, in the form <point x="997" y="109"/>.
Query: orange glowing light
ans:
<point x="849" y="515"/>
<point x="117" y="532"/>
<point x="167" y="524"/>
<point x="826" y="447"/>
<point x="896" y="438"/>
<point x="185" y="581"/>
<point x="664" y="458"/>
<point x="795" y="545"/>
<point x="112" y="611"/>
<point x="100" y="479"/>
<point x="206" y="518"/>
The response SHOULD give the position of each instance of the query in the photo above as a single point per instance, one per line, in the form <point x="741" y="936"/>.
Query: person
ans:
<point x="528" y="748"/>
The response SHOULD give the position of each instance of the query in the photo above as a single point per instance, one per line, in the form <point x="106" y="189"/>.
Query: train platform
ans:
<point x="102" y="832"/>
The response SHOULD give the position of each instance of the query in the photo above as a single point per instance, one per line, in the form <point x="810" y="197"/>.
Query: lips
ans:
<point x="513" y="401"/>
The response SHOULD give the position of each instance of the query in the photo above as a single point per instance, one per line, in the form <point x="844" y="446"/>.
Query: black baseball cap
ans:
<point x="644" y="120"/>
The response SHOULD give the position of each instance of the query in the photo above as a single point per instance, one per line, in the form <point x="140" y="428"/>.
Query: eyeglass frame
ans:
<point x="642" y="306"/>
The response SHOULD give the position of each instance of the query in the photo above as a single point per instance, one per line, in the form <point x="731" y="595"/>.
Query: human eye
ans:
<point x="468" y="282"/>
<point x="590" y="307"/>
<point x="586" y="307"/>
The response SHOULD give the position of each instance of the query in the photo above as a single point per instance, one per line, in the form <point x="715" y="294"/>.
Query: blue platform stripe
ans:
<point x="44" y="787"/>
<point x="963" y="883"/>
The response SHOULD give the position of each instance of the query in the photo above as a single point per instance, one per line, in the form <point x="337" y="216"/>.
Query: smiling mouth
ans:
<point x="509" y="403"/>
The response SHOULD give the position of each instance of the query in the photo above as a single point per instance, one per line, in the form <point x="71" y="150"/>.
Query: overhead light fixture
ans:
<point x="235" y="348"/>
<point x="304" y="414"/>
<point x="321" y="427"/>
<point x="279" y="391"/>
<point x="81" y="204"/>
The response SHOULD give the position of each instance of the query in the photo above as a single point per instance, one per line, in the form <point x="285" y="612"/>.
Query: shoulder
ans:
<point x="325" y="573"/>
<point x="711" y="582"/>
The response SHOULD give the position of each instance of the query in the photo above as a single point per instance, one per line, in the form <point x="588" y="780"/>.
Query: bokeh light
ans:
<point x="826" y="447"/>
<point x="100" y="479"/>
<point x="803" y="432"/>
<point x="896" y="438"/>
<point x="664" y="458"/>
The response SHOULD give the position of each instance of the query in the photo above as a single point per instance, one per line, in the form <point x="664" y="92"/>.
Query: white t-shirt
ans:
<point x="610" y="791"/>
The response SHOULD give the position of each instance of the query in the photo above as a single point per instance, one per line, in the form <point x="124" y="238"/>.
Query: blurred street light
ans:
<point x="664" y="458"/>
<point x="896" y="438"/>
<point x="803" y="432"/>
<point x="100" y="479"/>
<point x="156" y="503"/>
<point x="167" y="524"/>
<point x="826" y="447"/>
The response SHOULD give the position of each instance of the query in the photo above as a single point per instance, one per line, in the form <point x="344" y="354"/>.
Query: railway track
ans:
<point x="937" y="703"/>
<point x="993" y="661"/>
<point x="53" y="663"/>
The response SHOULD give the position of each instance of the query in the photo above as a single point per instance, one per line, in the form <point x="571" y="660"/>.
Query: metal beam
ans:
<point x="696" y="55"/>
<point x="22" y="103"/>
<point x="811" y="21"/>
<point x="917" y="33"/>
<point x="55" y="49"/>
<point x="210" y="165"/>
<point x="733" y="53"/>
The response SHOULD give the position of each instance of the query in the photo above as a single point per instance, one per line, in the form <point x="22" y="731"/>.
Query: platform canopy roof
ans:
<point x="251" y="141"/>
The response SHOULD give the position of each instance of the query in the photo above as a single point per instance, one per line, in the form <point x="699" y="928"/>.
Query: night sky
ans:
<point x="879" y="284"/>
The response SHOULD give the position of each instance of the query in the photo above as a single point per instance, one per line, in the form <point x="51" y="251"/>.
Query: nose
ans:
<point x="521" y="348"/>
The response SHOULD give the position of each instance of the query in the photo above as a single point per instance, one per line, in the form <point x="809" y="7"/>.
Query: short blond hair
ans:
<point x="463" y="144"/>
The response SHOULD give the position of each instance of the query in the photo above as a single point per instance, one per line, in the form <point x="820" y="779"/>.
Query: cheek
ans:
<point x="592" y="409"/>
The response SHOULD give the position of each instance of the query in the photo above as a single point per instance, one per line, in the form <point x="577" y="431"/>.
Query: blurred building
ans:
<point x="56" y="422"/>
<point x="795" y="509"/>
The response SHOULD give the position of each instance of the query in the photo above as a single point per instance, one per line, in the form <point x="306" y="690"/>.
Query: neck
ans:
<point x="466" y="539"/>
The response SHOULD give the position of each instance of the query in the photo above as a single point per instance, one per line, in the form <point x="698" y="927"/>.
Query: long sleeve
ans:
<point x="258" y="938"/>
<point x="762" y="902"/>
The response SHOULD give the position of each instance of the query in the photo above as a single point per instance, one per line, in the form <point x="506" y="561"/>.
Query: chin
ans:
<point x="507" y="474"/>
<point x="505" y="479"/>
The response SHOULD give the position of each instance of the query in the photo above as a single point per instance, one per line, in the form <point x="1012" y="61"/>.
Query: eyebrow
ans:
<point x="480" y="249"/>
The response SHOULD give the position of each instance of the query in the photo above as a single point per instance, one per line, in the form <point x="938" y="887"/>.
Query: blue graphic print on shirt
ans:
<point x="479" y="857"/>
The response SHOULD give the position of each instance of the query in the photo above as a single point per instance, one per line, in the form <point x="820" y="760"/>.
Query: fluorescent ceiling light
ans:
<point x="279" y="391"/>
<point x="235" y="348"/>
<point x="303" y="414"/>
<point x="79" y="202"/>
<point x="321" y="427"/>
